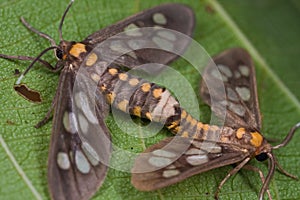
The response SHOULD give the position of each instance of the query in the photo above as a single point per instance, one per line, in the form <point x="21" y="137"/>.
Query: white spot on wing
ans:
<point x="224" y="69"/>
<point x="209" y="147"/>
<point x="163" y="153"/>
<point x="243" y="92"/>
<point x="237" y="108"/>
<point x="70" y="122"/>
<point x="171" y="167"/>
<point x="118" y="46"/>
<point x="159" y="161"/>
<point x="83" y="123"/>
<point x="237" y="74"/>
<point x="132" y="30"/>
<point x="90" y="153"/>
<point x="81" y="162"/>
<point x="244" y="70"/>
<point x="63" y="160"/>
<point x="216" y="74"/>
<point x="170" y="173"/>
<point x="197" y="159"/>
<point x="82" y="102"/>
<point x="163" y="43"/>
<point x="231" y="94"/>
<point x="167" y="35"/>
<point x="159" y="18"/>
<point x="193" y="151"/>
<point x="131" y="26"/>
<point x="212" y="148"/>
<point x="137" y="44"/>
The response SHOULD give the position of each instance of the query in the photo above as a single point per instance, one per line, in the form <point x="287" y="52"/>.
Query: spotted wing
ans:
<point x="235" y="78"/>
<point x="76" y="168"/>
<point x="164" y="20"/>
<point x="175" y="159"/>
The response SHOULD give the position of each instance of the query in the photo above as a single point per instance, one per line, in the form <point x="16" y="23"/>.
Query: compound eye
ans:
<point x="59" y="54"/>
<point x="262" y="157"/>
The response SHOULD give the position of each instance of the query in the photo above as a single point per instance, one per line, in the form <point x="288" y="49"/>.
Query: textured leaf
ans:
<point x="269" y="31"/>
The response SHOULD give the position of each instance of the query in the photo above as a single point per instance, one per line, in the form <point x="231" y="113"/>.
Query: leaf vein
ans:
<point x="19" y="169"/>
<point x="254" y="52"/>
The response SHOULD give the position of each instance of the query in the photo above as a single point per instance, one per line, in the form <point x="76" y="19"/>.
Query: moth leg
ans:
<point x="262" y="177"/>
<point x="48" y="115"/>
<point x="231" y="172"/>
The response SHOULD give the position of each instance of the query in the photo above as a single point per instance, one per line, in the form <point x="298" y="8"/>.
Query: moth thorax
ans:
<point x="72" y="51"/>
<point x="254" y="138"/>
<point x="77" y="49"/>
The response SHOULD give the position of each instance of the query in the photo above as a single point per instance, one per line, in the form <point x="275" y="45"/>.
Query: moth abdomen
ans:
<point x="185" y="125"/>
<point x="141" y="98"/>
<point x="144" y="99"/>
<point x="135" y="95"/>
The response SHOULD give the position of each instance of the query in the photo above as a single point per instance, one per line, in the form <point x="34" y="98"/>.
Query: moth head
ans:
<point x="263" y="151"/>
<point x="262" y="156"/>
<point x="59" y="53"/>
<point x="273" y="161"/>
<point x="65" y="48"/>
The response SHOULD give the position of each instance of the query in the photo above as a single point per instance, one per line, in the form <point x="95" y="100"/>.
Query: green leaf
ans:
<point x="269" y="31"/>
<point x="273" y="28"/>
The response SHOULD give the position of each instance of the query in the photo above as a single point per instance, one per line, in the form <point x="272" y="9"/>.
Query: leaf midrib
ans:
<point x="254" y="52"/>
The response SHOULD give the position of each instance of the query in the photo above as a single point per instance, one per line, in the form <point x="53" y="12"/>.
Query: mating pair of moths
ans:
<point x="78" y="160"/>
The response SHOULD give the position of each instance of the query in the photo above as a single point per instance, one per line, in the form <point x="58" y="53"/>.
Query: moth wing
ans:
<point x="237" y="74"/>
<point x="170" y="17"/>
<point x="175" y="159"/>
<point x="76" y="168"/>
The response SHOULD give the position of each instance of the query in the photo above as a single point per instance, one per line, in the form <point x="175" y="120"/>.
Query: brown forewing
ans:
<point x="233" y="59"/>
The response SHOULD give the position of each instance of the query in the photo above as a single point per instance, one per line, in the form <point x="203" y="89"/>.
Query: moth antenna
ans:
<point x="63" y="19"/>
<point x="34" y="61"/>
<point x="41" y="34"/>
<point x="271" y="166"/>
<point x="46" y="36"/>
<point x="288" y="137"/>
